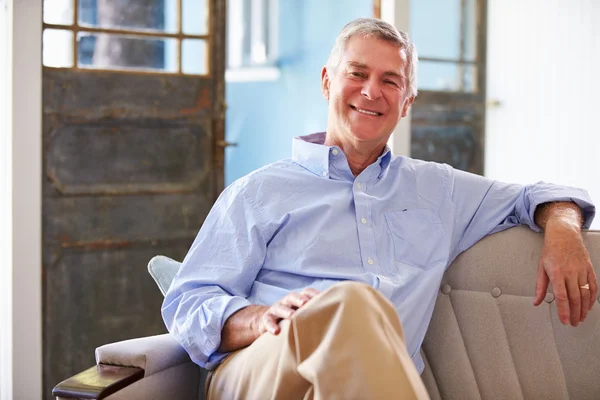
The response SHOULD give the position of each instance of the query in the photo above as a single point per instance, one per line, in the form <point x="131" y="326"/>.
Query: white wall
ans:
<point x="543" y="63"/>
<point x="20" y="123"/>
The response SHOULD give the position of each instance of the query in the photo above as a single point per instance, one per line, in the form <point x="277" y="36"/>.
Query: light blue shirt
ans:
<point x="308" y="222"/>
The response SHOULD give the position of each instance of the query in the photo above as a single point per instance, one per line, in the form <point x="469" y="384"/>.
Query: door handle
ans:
<point x="493" y="103"/>
<point x="223" y="144"/>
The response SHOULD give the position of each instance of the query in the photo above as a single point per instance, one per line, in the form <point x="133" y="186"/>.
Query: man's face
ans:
<point x="367" y="92"/>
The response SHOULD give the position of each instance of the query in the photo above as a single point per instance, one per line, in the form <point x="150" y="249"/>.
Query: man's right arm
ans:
<point x="245" y="326"/>
<point x="216" y="276"/>
<point x="242" y="328"/>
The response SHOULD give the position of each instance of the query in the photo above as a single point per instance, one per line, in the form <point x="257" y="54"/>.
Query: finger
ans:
<point x="270" y="323"/>
<point x="541" y="285"/>
<point x="281" y="311"/>
<point x="310" y="292"/>
<point x="574" y="294"/>
<point x="593" y="287"/>
<point x="562" y="301"/>
<point x="585" y="296"/>
<point x="295" y="299"/>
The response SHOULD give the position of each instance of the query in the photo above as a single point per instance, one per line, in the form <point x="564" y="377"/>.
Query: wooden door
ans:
<point x="448" y="116"/>
<point x="132" y="160"/>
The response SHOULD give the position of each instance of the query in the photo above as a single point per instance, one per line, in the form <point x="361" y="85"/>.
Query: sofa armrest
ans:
<point x="152" y="354"/>
<point x="97" y="382"/>
<point x="122" y="363"/>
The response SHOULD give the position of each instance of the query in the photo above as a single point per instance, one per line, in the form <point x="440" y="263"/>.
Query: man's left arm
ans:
<point x="565" y="262"/>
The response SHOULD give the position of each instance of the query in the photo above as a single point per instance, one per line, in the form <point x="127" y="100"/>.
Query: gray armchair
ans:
<point x="486" y="339"/>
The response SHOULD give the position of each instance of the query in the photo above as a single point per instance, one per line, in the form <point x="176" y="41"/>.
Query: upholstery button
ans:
<point x="446" y="289"/>
<point x="549" y="297"/>
<point x="496" y="292"/>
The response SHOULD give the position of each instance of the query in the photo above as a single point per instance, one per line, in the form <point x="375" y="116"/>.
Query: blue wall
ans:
<point x="263" y="117"/>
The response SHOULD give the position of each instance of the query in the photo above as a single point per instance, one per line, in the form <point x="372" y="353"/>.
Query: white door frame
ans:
<point x="21" y="180"/>
<point x="397" y="13"/>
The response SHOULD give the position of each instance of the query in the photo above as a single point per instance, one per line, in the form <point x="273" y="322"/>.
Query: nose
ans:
<point x="371" y="89"/>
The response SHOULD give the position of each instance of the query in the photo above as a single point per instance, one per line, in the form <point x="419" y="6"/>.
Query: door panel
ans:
<point x="449" y="126"/>
<point x="132" y="164"/>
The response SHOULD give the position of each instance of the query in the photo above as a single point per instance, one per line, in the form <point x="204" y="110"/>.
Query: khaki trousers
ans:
<point x="346" y="343"/>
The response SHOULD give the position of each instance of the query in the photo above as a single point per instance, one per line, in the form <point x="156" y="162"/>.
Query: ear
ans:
<point x="325" y="82"/>
<point x="406" y="106"/>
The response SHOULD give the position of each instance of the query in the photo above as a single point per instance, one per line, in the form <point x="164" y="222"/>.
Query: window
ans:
<point x="252" y="31"/>
<point x="448" y="59"/>
<point x="163" y="36"/>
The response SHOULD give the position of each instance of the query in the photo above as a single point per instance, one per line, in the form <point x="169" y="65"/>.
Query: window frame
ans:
<point x="461" y="62"/>
<point x="179" y="36"/>
<point x="241" y="43"/>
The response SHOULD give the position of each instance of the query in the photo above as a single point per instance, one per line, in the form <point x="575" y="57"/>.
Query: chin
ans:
<point x="368" y="135"/>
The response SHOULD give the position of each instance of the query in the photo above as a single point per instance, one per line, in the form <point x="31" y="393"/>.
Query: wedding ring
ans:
<point x="586" y="286"/>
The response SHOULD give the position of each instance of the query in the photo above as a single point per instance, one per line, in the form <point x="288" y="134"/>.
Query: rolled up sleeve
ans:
<point x="484" y="206"/>
<point x="543" y="192"/>
<point x="216" y="276"/>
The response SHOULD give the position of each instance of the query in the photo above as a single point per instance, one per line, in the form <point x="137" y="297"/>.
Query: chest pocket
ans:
<point x="418" y="236"/>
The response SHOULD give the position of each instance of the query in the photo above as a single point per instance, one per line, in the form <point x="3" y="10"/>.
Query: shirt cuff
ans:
<point x="544" y="193"/>
<point x="234" y="304"/>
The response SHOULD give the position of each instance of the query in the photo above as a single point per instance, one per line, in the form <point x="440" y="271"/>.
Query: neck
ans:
<point x="359" y="154"/>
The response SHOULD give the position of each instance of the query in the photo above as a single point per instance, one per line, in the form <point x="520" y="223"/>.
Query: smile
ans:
<point x="363" y="111"/>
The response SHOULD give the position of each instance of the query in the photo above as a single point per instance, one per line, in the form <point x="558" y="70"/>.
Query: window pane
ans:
<point x="195" y="57"/>
<point x="110" y="51"/>
<point x="57" y="48"/>
<point x="436" y="34"/>
<point x="443" y="76"/>
<point x="195" y="17"/>
<point x="58" y="12"/>
<point x="154" y="15"/>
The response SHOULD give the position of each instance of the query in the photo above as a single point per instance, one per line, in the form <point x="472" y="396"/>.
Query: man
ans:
<point x="316" y="277"/>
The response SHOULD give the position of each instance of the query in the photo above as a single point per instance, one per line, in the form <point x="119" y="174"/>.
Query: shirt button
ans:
<point x="358" y="185"/>
<point x="324" y="173"/>
<point x="335" y="152"/>
<point x="363" y="220"/>
<point x="370" y="261"/>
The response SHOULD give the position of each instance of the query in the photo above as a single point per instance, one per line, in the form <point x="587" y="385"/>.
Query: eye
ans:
<point x="391" y="83"/>
<point x="357" y="74"/>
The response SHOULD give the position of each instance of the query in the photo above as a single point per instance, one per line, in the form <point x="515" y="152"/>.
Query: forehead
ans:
<point x="375" y="54"/>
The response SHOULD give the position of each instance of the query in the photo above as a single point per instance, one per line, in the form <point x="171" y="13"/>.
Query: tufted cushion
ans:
<point x="487" y="340"/>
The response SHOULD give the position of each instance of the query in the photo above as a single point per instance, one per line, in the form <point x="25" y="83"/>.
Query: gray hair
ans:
<point x="371" y="27"/>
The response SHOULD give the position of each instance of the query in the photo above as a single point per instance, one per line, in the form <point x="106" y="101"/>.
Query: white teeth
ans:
<point x="366" y="112"/>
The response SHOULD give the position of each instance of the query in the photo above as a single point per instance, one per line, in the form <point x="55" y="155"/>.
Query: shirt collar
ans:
<point x="310" y="152"/>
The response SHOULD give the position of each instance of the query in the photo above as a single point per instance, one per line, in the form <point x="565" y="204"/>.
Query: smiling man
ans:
<point x="316" y="277"/>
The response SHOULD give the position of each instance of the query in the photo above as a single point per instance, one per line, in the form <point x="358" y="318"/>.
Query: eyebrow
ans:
<point x="359" y="65"/>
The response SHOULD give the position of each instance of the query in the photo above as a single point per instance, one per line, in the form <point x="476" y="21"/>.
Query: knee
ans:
<point x="355" y="296"/>
<point x="352" y="290"/>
